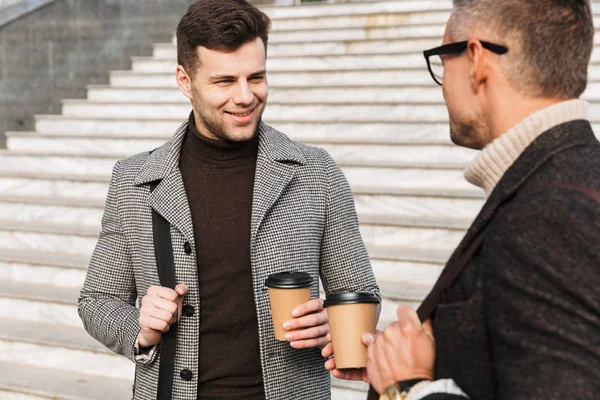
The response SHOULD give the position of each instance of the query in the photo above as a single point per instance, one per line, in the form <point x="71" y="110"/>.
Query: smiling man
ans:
<point x="193" y="229"/>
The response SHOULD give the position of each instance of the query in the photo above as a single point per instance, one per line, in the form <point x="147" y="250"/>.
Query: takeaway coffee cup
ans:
<point x="350" y="316"/>
<point x="287" y="290"/>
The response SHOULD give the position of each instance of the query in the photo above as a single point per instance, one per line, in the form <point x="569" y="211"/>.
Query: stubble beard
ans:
<point x="473" y="134"/>
<point x="218" y="128"/>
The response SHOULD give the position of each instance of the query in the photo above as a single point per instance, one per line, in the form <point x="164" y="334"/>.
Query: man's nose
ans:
<point x="243" y="94"/>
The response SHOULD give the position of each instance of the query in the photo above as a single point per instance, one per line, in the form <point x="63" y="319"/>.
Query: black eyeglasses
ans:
<point x="435" y="64"/>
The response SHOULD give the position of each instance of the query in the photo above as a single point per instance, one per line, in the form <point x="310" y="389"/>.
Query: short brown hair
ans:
<point x="550" y="41"/>
<point x="222" y="25"/>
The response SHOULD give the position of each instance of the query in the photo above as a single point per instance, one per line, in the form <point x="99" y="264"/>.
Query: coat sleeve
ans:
<point x="345" y="264"/>
<point x="542" y="299"/>
<point x="107" y="300"/>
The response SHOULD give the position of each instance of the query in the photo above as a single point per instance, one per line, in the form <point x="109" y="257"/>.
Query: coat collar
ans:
<point x="277" y="160"/>
<point x="273" y="146"/>
<point x="553" y="141"/>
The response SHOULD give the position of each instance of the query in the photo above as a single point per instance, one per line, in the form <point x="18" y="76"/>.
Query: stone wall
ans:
<point x="55" y="51"/>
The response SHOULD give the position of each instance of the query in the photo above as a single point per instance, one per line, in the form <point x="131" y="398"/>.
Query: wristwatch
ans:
<point x="399" y="390"/>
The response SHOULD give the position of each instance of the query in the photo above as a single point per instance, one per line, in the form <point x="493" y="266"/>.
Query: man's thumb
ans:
<point x="368" y="339"/>
<point x="181" y="289"/>
<point x="428" y="328"/>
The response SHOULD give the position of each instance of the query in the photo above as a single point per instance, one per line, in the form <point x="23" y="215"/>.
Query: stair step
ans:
<point x="354" y="112"/>
<point x="353" y="8"/>
<point x="51" y="383"/>
<point x="294" y="78"/>
<point x="12" y="162"/>
<point x="151" y="65"/>
<point x="282" y="95"/>
<point x="422" y="132"/>
<point x="365" y="61"/>
<point x="51" y="335"/>
<point x="81" y="238"/>
<point x="79" y="187"/>
<point x="47" y="237"/>
<point x="53" y="200"/>
<point x="41" y="303"/>
<point x="366" y="18"/>
<point x="421" y="174"/>
<point x="39" y="258"/>
<point x="60" y="214"/>
<point x="388" y="134"/>
<point x="82" y="203"/>
<point x="400" y="253"/>
<point x="361" y="21"/>
<point x="298" y="95"/>
<point x="38" y="267"/>
<point x="298" y="77"/>
<point x="333" y="47"/>
<point x="58" y="346"/>
<point x="32" y="143"/>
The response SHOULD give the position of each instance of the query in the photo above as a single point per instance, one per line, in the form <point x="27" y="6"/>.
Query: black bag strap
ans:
<point x="163" y="251"/>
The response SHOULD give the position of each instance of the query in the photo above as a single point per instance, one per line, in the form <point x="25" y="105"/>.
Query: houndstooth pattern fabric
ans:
<point x="303" y="219"/>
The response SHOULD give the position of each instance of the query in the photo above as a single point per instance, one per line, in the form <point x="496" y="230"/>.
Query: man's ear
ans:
<point x="479" y="64"/>
<point x="184" y="81"/>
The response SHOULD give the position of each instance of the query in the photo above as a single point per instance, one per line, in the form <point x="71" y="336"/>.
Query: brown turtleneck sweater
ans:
<point x="219" y="180"/>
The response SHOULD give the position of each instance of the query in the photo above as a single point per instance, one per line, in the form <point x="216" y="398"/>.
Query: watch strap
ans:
<point x="406" y="385"/>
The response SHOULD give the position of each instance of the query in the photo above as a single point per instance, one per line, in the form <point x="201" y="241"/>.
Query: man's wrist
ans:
<point x="400" y="390"/>
<point x="141" y="345"/>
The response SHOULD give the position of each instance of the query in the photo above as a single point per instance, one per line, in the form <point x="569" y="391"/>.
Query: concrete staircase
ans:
<point x="346" y="77"/>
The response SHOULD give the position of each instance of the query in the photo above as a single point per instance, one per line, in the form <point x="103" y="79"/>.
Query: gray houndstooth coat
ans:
<point x="303" y="218"/>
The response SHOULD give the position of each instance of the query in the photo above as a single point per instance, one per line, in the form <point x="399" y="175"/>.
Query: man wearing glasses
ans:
<point x="516" y="312"/>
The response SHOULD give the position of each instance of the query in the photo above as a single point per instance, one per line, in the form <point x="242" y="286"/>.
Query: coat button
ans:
<point x="186" y="375"/>
<point x="187" y="310"/>
<point x="187" y="248"/>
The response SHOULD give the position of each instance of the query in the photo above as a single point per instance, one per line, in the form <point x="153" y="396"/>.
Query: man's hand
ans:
<point x="405" y="350"/>
<point x="161" y="307"/>
<point x="310" y="325"/>
<point x="351" y="374"/>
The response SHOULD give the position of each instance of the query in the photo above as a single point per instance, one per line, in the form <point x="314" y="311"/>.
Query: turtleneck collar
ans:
<point x="495" y="159"/>
<point x="201" y="149"/>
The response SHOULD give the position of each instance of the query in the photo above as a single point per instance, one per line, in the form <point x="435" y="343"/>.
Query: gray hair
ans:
<point x="550" y="41"/>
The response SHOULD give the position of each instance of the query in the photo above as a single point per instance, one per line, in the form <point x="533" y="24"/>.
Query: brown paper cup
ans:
<point x="347" y="323"/>
<point x="287" y="290"/>
<point x="283" y="302"/>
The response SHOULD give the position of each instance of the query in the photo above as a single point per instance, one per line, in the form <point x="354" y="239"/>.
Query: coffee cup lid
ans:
<point x="350" y="298"/>
<point x="289" y="280"/>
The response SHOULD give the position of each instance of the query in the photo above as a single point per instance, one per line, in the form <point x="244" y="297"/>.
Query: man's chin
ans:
<point x="467" y="137"/>
<point x="242" y="134"/>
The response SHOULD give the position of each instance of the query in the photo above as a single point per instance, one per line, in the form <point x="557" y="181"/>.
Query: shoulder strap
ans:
<point x="163" y="251"/>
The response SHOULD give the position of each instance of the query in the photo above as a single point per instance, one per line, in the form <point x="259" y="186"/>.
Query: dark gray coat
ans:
<point x="523" y="319"/>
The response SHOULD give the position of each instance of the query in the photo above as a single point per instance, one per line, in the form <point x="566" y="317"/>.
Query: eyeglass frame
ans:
<point x="457" y="48"/>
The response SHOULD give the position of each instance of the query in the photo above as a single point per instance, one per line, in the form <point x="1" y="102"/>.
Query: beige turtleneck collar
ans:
<point x="495" y="159"/>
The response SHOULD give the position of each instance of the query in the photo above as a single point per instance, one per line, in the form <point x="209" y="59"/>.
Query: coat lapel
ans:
<point x="169" y="198"/>
<point x="546" y="146"/>
<point x="278" y="158"/>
